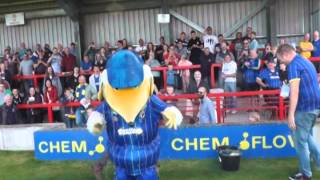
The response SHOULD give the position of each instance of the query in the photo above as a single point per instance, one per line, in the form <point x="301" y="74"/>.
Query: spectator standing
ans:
<point x="229" y="72"/>
<point x="237" y="45"/>
<point x="209" y="40"/>
<point x="160" y="49"/>
<point x="73" y="49"/>
<point x="51" y="96"/>
<point x="152" y="62"/>
<point x="171" y="76"/>
<point x="197" y="82"/>
<point x="54" y="79"/>
<point x="207" y="113"/>
<point x="26" y="68"/>
<point x="316" y="49"/>
<point x="304" y="108"/>
<point x="253" y="43"/>
<point x="47" y="52"/>
<point x="69" y="111"/>
<point x="86" y="64"/>
<point x="182" y="38"/>
<point x="69" y="61"/>
<point x="22" y="50"/>
<point x="55" y="61"/>
<point x="244" y="54"/>
<point x="141" y="46"/>
<point x="101" y="60"/>
<point x="91" y="52"/>
<point x="171" y="57"/>
<point x="5" y="74"/>
<point x="181" y="49"/>
<point x="84" y="93"/>
<point x="170" y="92"/>
<point x="194" y="46"/>
<point x="206" y="59"/>
<point x="73" y="80"/>
<point x="125" y="43"/>
<point x="269" y="78"/>
<point x="94" y="79"/>
<point x="250" y="71"/>
<point x="33" y="114"/>
<point x="9" y="112"/>
<point x="17" y="99"/>
<point x="306" y="46"/>
<point x="248" y="33"/>
<point x="185" y="74"/>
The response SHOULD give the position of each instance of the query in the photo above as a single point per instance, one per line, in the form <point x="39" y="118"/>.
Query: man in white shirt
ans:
<point x="229" y="71"/>
<point x="210" y="40"/>
<point x="141" y="46"/>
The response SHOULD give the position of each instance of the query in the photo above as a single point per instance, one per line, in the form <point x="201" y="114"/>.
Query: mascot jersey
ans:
<point x="131" y="114"/>
<point x="135" y="146"/>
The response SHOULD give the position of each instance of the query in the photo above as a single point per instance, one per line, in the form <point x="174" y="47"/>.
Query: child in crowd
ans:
<point x="69" y="112"/>
<point x="171" y="76"/>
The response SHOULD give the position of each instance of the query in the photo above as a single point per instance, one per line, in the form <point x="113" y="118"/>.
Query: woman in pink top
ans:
<point x="185" y="74"/>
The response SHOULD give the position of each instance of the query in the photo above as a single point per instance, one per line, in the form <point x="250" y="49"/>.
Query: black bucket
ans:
<point x="229" y="157"/>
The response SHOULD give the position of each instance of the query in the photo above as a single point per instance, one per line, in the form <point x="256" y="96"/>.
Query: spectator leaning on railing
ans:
<point x="33" y="114"/>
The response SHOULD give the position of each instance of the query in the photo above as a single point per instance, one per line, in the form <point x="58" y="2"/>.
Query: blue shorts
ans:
<point x="147" y="174"/>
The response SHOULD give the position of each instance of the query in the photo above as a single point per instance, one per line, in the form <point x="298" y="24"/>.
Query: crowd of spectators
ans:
<point x="69" y="78"/>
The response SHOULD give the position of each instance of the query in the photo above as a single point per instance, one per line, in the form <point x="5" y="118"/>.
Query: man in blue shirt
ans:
<point x="251" y="71"/>
<point x="304" y="107"/>
<point x="207" y="113"/>
<point x="269" y="78"/>
<point x="316" y="49"/>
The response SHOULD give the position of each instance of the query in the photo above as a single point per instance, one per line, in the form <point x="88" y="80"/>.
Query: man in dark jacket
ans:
<point x="206" y="59"/>
<point x="9" y="112"/>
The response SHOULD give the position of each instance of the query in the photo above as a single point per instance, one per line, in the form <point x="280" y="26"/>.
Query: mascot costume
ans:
<point x="131" y="115"/>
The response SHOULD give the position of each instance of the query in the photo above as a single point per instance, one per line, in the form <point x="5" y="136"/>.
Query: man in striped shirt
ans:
<point x="250" y="71"/>
<point x="304" y="107"/>
<point x="131" y="114"/>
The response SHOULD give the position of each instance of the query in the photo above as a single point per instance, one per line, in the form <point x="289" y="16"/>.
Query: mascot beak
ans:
<point x="128" y="100"/>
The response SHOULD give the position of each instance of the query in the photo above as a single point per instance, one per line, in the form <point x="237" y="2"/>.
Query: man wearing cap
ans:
<point x="131" y="114"/>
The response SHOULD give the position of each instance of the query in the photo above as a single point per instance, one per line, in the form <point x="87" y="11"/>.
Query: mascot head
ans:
<point x="126" y="84"/>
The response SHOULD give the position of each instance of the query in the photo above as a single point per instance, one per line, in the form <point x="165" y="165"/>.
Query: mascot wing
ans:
<point x="96" y="123"/>
<point x="172" y="116"/>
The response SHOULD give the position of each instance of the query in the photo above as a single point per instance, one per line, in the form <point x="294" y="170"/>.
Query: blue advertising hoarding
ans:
<point x="255" y="141"/>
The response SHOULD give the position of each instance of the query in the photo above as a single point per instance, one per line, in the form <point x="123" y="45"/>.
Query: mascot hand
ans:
<point x="172" y="116"/>
<point x="96" y="123"/>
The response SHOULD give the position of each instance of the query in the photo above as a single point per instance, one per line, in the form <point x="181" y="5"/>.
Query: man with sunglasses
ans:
<point x="207" y="112"/>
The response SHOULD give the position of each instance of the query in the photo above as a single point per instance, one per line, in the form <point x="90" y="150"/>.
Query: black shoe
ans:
<point x="299" y="176"/>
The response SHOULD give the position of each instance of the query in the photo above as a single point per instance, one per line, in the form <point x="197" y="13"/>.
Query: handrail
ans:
<point x="217" y="98"/>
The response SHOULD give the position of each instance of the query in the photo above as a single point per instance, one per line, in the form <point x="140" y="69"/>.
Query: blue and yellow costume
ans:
<point x="131" y="114"/>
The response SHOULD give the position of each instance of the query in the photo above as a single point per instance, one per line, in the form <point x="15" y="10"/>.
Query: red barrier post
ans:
<point x="50" y="114"/>
<point x="218" y="107"/>
<point x="164" y="71"/>
<point x="281" y="108"/>
<point x="213" y="81"/>
<point x="35" y="81"/>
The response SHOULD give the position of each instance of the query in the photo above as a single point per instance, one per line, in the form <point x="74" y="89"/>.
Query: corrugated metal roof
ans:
<point x="46" y="30"/>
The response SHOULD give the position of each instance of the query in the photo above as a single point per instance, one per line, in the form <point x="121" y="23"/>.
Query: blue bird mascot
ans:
<point x="131" y="115"/>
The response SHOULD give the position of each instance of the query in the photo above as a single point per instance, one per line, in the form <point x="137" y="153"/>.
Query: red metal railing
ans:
<point x="217" y="97"/>
<point x="164" y="70"/>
